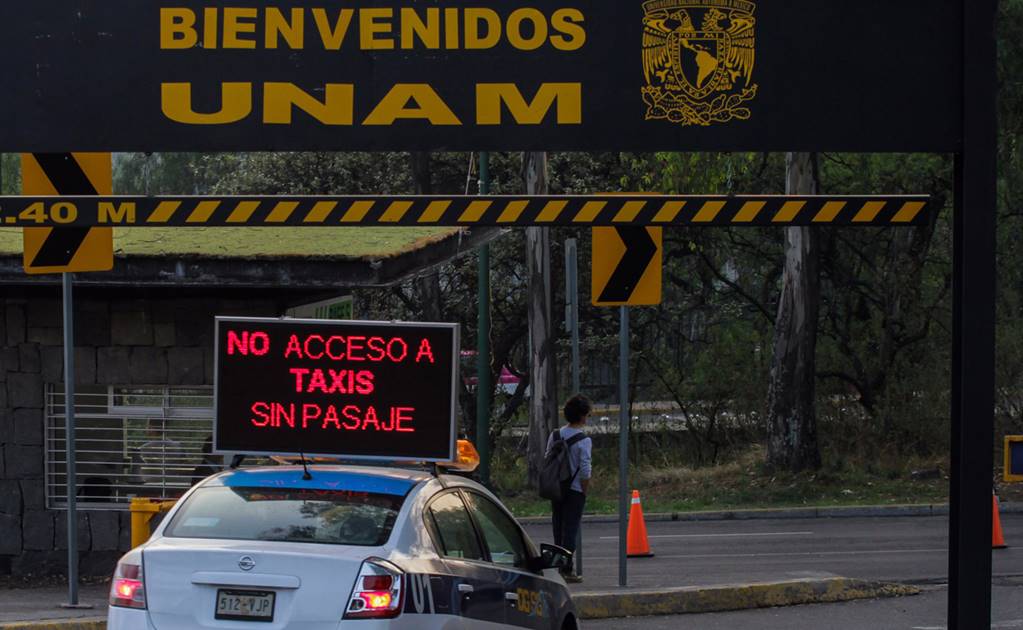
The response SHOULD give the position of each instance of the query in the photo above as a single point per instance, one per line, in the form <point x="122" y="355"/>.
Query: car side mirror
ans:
<point x="552" y="557"/>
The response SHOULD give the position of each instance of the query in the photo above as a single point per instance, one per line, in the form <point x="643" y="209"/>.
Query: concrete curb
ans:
<point x="83" y="623"/>
<point x="856" y="511"/>
<point x="636" y="603"/>
<point x="705" y="599"/>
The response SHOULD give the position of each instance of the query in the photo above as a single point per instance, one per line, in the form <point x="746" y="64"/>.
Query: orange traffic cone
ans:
<point x="638" y="545"/>
<point x="997" y="539"/>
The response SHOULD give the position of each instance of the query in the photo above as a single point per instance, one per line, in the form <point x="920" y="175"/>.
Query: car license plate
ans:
<point x="245" y="605"/>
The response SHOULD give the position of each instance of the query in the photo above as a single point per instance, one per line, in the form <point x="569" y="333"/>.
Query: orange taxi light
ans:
<point x="466" y="458"/>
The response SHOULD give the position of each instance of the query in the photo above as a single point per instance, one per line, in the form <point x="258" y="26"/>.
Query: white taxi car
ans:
<point x="360" y="547"/>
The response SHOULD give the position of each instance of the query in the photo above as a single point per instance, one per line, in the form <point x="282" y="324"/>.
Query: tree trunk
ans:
<point x="427" y="285"/>
<point x="422" y="172"/>
<point x="791" y="414"/>
<point x="543" y="404"/>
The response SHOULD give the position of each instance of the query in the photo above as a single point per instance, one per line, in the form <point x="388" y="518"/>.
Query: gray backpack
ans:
<point x="556" y="476"/>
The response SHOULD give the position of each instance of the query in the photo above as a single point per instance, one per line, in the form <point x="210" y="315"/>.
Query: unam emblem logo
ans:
<point x="698" y="60"/>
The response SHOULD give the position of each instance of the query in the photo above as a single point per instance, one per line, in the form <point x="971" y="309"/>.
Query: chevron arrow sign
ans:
<point x="71" y="248"/>
<point x="626" y="266"/>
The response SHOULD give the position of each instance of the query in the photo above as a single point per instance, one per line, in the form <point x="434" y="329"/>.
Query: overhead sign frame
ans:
<point x="929" y="87"/>
<point x="336" y="402"/>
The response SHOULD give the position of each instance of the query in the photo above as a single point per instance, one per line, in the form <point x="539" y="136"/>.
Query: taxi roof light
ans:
<point x="467" y="459"/>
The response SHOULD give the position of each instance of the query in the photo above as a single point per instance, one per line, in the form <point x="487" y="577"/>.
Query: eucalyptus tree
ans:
<point x="791" y="397"/>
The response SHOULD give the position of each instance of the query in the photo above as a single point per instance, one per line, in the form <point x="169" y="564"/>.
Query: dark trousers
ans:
<point x="567" y="517"/>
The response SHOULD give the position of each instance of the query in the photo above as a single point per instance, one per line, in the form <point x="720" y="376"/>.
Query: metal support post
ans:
<point x="623" y="444"/>
<point x="483" y="388"/>
<point x="572" y="296"/>
<point x="572" y="321"/>
<point x="973" y="327"/>
<point x="69" y="442"/>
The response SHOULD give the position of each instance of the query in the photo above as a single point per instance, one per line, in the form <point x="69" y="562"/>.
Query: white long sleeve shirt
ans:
<point x="580" y="456"/>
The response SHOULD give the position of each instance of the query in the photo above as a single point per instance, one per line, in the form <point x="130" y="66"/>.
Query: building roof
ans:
<point x="310" y="258"/>
<point x="259" y="242"/>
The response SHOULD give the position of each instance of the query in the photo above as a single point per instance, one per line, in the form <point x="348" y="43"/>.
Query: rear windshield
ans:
<point x="335" y="517"/>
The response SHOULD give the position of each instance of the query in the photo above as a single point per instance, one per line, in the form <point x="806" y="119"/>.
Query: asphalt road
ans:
<point x="910" y="549"/>
<point x="921" y="612"/>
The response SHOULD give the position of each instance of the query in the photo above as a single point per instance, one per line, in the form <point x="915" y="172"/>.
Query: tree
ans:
<point x="791" y="397"/>
<point x="428" y="282"/>
<point x="543" y="403"/>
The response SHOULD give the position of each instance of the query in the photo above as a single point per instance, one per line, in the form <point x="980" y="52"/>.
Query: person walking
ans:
<point x="568" y="513"/>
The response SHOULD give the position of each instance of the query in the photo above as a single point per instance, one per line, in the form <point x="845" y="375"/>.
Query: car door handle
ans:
<point x="466" y="588"/>
<point x="512" y="597"/>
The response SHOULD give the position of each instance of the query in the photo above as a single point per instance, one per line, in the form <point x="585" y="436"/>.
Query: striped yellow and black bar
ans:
<point x="509" y="211"/>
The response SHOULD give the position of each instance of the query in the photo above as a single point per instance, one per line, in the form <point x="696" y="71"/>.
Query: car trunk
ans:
<point x="310" y="583"/>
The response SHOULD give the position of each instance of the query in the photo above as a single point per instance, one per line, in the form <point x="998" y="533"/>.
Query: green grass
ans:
<point x="740" y="484"/>
<point x="260" y="242"/>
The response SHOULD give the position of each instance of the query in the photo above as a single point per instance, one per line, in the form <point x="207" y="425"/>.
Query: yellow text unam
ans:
<point x="403" y="101"/>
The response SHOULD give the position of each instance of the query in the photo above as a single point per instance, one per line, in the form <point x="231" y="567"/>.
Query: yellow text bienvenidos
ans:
<point x="377" y="28"/>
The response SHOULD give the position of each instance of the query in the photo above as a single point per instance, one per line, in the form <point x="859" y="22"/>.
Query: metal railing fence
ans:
<point x="131" y="441"/>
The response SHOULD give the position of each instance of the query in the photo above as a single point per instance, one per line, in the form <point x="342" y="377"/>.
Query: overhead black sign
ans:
<point x="354" y="389"/>
<point x="102" y="75"/>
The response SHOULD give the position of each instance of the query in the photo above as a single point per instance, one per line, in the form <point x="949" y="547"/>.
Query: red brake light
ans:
<point x="377" y="601"/>
<point x="127" y="589"/>
<point x="377" y="582"/>
<point x="377" y="593"/>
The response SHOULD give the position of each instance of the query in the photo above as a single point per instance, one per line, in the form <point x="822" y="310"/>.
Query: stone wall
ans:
<point x="145" y="340"/>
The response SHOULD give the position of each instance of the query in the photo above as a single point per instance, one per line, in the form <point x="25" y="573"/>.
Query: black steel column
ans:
<point x="969" y="600"/>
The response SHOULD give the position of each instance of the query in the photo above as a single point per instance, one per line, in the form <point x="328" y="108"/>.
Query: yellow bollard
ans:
<point x="142" y="511"/>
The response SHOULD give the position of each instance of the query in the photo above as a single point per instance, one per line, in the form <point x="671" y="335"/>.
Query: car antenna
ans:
<point x="305" y="476"/>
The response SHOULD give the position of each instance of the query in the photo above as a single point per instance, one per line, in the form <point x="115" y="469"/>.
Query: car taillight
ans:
<point x="377" y="592"/>
<point x="128" y="589"/>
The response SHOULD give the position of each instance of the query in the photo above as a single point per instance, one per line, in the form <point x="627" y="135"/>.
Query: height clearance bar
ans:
<point x="510" y="211"/>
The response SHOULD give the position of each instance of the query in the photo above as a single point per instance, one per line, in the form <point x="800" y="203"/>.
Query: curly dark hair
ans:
<point x="577" y="408"/>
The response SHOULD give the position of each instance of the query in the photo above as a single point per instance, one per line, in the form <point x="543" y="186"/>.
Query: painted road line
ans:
<point x="1012" y="623"/>
<point x="786" y="554"/>
<point x="750" y="535"/>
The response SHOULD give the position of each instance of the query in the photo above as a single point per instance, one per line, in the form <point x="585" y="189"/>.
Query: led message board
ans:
<point x="355" y="389"/>
<point x="210" y="75"/>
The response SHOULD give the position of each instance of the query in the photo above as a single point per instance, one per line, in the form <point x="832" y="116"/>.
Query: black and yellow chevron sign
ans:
<point x="578" y="210"/>
<point x="626" y="267"/>
<point x="65" y="247"/>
